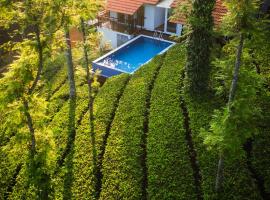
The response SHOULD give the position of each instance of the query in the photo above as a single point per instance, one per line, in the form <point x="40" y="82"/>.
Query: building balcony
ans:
<point x="128" y="26"/>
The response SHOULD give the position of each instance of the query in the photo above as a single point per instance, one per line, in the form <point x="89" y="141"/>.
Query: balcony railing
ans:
<point x="130" y="26"/>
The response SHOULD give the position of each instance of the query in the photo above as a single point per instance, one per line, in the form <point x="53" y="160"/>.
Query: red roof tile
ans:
<point x="219" y="11"/>
<point x="127" y="6"/>
<point x="131" y="6"/>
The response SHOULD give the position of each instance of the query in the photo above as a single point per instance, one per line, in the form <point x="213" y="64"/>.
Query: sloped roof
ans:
<point x="131" y="6"/>
<point x="128" y="6"/>
<point x="219" y="11"/>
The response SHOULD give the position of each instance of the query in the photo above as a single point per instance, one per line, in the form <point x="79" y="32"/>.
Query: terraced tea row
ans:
<point x="88" y="147"/>
<point x="122" y="165"/>
<point x="170" y="174"/>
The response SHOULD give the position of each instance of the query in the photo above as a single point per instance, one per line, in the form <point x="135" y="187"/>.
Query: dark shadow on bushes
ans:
<point x="67" y="156"/>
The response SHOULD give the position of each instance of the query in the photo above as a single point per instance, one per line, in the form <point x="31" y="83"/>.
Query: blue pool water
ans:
<point x="130" y="57"/>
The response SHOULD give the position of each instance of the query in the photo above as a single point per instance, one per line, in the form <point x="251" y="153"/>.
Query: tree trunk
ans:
<point x="90" y="94"/>
<point x="70" y="67"/>
<point x="30" y="127"/>
<point x="40" y="55"/>
<point x="219" y="177"/>
<point x="236" y="69"/>
<point x="88" y="74"/>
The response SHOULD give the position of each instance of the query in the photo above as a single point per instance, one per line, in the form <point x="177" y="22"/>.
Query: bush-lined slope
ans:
<point x="139" y="146"/>
<point x="122" y="164"/>
<point x="169" y="169"/>
<point x="87" y="147"/>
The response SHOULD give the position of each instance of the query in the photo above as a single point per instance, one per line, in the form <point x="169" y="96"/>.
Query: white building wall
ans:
<point x="159" y="16"/>
<point x="149" y="15"/>
<point x="154" y="17"/>
<point x="110" y="36"/>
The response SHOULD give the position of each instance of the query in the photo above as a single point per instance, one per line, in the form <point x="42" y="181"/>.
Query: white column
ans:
<point x="166" y="20"/>
<point x="179" y="28"/>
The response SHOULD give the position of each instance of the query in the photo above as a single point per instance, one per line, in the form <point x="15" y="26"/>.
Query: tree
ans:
<point x="91" y="9"/>
<point x="35" y="28"/>
<point x="232" y="126"/>
<point x="199" y="47"/>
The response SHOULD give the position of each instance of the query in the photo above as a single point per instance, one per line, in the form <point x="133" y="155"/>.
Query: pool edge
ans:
<point x="115" y="71"/>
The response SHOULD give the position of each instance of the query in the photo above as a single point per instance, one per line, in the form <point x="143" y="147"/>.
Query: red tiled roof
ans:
<point x="131" y="6"/>
<point x="127" y="6"/>
<point x="219" y="11"/>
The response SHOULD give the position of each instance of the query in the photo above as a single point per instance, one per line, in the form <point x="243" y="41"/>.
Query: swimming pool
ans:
<point x="131" y="56"/>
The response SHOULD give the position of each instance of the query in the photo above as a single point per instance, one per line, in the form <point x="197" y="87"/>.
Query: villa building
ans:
<point x="124" y="19"/>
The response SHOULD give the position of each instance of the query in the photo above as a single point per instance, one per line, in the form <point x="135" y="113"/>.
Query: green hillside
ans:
<point x="145" y="145"/>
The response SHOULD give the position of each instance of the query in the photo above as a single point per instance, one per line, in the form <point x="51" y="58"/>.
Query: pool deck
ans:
<point x="165" y="36"/>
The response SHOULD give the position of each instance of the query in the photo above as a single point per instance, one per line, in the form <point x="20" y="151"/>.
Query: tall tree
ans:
<point x="35" y="26"/>
<point x="88" y="11"/>
<point x="199" y="46"/>
<point x="231" y="127"/>
<point x="34" y="21"/>
<point x="241" y="14"/>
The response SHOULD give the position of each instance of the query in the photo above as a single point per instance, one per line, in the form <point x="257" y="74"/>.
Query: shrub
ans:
<point x="60" y="123"/>
<point x="170" y="174"/>
<point x="105" y="103"/>
<point x="11" y="156"/>
<point x="122" y="169"/>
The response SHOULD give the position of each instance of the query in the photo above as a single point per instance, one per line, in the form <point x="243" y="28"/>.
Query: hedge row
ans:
<point x="7" y="130"/>
<point x="59" y="97"/>
<point x="54" y="76"/>
<point x="170" y="175"/>
<point x="60" y="123"/>
<point x="11" y="156"/>
<point x="105" y="104"/>
<point x="20" y="190"/>
<point x="238" y="183"/>
<point x="122" y="168"/>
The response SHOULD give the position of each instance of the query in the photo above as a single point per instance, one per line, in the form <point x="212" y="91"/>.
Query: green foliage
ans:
<point x="260" y="156"/>
<point x="259" y="49"/>
<point x="18" y="79"/>
<point x="170" y="175"/>
<point x="199" y="46"/>
<point x="231" y="127"/>
<point x="14" y="87"/>
<point x="59" y="125"/>
<point x="240" y="17"/>
<point x="169" y="170"/>
<point x="87" y="148"/>
<point x="122" y="170"/>
<point x="238" y="183"/>
<point x="54" y="75"/>
<point x="260" y="152"/>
